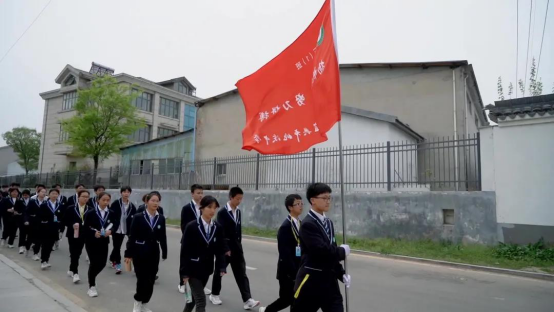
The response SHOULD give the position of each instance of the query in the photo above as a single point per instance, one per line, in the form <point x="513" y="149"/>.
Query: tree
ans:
<point x="26" y="144"/>
<point x="105" y="117"/>
<point x="521" y="85"/>
<point x="535" y="86"/>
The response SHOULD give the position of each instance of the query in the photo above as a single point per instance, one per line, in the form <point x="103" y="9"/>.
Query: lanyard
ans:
<point x="78" y="210"/>
<point x="294" y="231"/>
<point x="151" y="222"/>
<point x="102" y="220"/>
<point x="52" y="208"/>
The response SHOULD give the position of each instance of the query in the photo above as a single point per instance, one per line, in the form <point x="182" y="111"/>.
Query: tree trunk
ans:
<point x="95" y="170"/>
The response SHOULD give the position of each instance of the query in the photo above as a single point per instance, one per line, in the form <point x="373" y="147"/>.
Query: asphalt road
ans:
<point x="378" y="284"/>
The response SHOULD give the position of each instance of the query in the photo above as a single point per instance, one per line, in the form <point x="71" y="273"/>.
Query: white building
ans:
<point x="167" y="107"/>
<point x="517" y="161"/>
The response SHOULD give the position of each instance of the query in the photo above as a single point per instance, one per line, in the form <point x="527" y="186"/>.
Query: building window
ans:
<point x="190" y="117"/>
<point x="143" y="101"/>
<point x="221" y="169"/>
<point x="169" y="166"/>
<point x="69" y="100"/>
<point x="63" y="135"/>
<point x="70" y="81"/>
<point x="182" y="88"/>
<point x="169" y="108"/>
<point x="141" y="167"/>
<point x="163" y="132"/>
<point x="141" y="135"/>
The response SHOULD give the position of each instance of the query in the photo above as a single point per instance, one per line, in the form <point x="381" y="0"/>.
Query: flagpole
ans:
<point x="341" y="179"/>
<point x="341" y="160"/>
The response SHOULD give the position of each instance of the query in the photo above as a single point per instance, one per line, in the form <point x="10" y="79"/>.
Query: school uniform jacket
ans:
<point x="287" y="241"/>
<point x="198" y="250"/>
<point x="92" y="202"/>
<point x="15" y="216"/>
<point x="117" y="207"/>
<point x="24" y="208"/>
<point x="188" y="214"/>
<point x="145" y="240"/>
<point x="232" y="229"/>
<point x="92" y="223"/>
<point x="31" y="213"/>
<point x="62" y="199"/>
<point x="72" y="200"/>
<point x="320" y="253"/>
<point x="72" y="216"/>
<point x="142" y="208"/>
<point x="49" y="217"/>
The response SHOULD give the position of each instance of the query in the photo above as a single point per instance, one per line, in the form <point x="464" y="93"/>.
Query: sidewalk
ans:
<point x="20" y="291"/>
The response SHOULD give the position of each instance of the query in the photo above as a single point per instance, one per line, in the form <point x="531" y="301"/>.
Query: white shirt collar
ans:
<point x="206" y="225"/>
<point x="295" y="221"/>
<point x="321" y="217"/>
<point x="197" y="206"/>
<point x="148" y="214"/>
<point x="231" y="209"/>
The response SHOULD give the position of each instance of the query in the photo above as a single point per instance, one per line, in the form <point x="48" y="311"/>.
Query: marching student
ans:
<point x="32" y="216"/>
<point x="12" y="209"/>
<point x="230" y="219"/>
<point x="204" y="240"/>
<point x="5" y="189"/>
<point x="36" y="190"/>
<point x="124" y="210"/>
<point x="37" y="187"/>
<point x="142" y="207"/>
<point x="288" y="244"/>
<point x="97" y="190"/>
<point x="76" y="233"/>
<point x="99" y="223"/>
<point x="191" y="212"/>
<point x="23" y="223"/>
<point x="63" y="205"/>
<point x="49" y="215"/>
<point x="17" y="186"/>
<point x="147" y="236"/>
<point x="320" y="270"/>
<point x="71" y="201"/>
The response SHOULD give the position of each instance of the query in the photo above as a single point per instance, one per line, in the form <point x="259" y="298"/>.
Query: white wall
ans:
<point x="517" y="162"/>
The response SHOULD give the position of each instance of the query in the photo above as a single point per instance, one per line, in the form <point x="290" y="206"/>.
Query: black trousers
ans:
<point x="10" y="228"/>
<point x="198" y="297"/>
<point x="315" y="290"/>
<point x="115" y="256"/>
<point x="146" y="268"/>
<point x="97" y="250"/>
<point x="46" y="245"/>
<point x="35" y="238"/>
<point x="238" y="265"/>
<point x="24" y="236"/>
<point x="286" y="296"/>
<point x="75" y="250"/>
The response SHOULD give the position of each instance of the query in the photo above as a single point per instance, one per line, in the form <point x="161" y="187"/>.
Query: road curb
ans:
<point x="533" y="275"/>
<point x="64" y="303"/>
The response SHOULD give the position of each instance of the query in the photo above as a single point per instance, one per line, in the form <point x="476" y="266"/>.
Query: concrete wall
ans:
<point x="8" y="162"/>
<point x="406" y="215"/>
<point x="517" y="164"/>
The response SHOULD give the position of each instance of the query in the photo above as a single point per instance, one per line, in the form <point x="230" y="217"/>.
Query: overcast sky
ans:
<point x="215" y="43"/>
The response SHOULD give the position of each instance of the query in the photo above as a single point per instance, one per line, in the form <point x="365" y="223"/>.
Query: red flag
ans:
<point x="294" y="100"/>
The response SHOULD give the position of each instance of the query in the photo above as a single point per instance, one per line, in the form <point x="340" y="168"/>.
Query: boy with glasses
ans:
<point x="320" y="268"/>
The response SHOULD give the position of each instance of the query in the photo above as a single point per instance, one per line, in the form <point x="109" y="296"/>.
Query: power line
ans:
<point x="517" y="40"/>
<point x="23" y="34"/>
<point x="543" y="29"/>
<point x="527" y="58"/>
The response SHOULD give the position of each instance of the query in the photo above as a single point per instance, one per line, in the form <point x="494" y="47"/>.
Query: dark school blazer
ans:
<point x="198" y="250"/>
<point x="289" y="263"/>
<point x="232" y="229"/>
<point x="72" y="216"/>
<point x="146" y="240"/>
<point x="92" y="223"/>
<point x="117" y="207"/>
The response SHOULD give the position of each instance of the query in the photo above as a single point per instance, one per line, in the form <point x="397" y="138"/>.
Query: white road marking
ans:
<point x="251" y="268"/>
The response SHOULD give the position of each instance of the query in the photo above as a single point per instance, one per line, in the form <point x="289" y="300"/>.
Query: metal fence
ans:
<point x="445" y="164"/>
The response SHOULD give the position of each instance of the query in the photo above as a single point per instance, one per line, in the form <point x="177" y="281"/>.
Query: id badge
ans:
<point x="55" y="218"/>
<point x="298" y="253"/>
<point x="102" y="232"/>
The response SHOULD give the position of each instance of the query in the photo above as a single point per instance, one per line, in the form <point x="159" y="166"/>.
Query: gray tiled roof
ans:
<point x="523" y="107"/>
